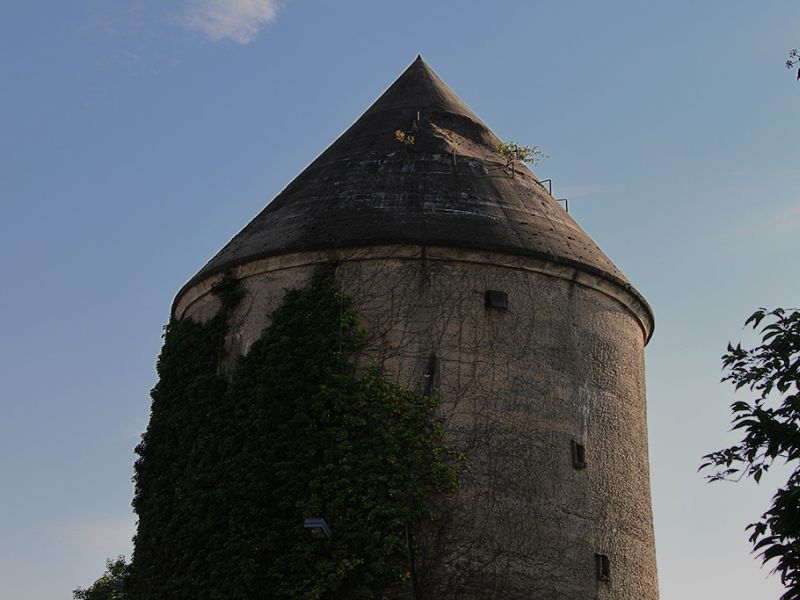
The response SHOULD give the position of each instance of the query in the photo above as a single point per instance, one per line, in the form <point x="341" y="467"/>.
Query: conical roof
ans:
<point x="449" y="188"/>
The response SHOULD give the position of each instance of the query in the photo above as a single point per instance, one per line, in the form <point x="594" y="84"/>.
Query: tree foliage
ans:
<point x="512" y="151"/>
<point x="793" y="61"/>
<point x="110" y="585"/>
<point x="231" y="464"/>
<point x="770" y="427"/>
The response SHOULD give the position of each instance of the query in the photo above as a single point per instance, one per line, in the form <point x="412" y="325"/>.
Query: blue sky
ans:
<point x="136" y="137"/>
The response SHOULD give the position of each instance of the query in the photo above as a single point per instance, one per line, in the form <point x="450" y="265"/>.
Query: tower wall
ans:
<point x="564" y="362"/>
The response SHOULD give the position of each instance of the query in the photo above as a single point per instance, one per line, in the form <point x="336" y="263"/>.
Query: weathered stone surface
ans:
<point x="422" y="232"/>
<point x="563" y="362"/>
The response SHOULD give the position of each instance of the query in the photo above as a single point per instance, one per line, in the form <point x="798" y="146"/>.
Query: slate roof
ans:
<point x="449" y="188"/>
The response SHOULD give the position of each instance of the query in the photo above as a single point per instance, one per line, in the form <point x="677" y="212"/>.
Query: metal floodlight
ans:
<point x="318" y="529"/>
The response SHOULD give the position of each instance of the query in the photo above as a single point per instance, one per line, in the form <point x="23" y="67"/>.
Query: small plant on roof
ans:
<point x="512" y="151"/>
<point x="407" y="139"/>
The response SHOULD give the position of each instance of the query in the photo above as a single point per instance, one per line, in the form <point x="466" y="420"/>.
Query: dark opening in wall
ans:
<point x="496" y="299"/>
<point x="578" y="455"/>
<point x="603" y="567"/>
<point x="430" y="375"/>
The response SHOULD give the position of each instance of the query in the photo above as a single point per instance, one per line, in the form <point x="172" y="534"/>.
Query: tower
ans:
<point x="476" y="284"/>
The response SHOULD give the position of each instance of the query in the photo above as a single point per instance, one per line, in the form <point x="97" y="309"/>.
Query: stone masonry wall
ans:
<point x="564" y="362"/>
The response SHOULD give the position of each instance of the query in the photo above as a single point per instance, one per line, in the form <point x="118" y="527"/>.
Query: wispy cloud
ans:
<point x="582" y="190"/>
<point x="237" y="20"/>
<point x="132" y="431"/>
<point x="786" y="218"/>
<point x="111" y="535"/>
<point x="770" y="226"/>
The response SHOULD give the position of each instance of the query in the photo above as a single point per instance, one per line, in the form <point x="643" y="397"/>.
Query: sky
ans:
<point x="138" y="136"/>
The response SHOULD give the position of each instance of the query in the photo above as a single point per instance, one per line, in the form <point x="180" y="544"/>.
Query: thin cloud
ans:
<point x="787" y="218"/>
<point x="236" y="20"/>
<point x="581" y="191"/>
<point x="769" y="226"/>
<point x="110" y="535"/>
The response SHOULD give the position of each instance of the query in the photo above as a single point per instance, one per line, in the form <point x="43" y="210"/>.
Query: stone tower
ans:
<point x="474" y="282"/>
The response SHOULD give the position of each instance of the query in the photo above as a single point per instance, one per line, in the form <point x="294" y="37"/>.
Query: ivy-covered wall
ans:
<point x="514" y="387"/>
<point x="232" y="463"/>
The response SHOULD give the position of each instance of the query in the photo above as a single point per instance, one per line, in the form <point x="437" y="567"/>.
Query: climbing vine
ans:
<point x="231" y="464"/>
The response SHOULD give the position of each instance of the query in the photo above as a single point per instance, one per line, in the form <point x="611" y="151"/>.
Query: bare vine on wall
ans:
<point x="425" y="313"/>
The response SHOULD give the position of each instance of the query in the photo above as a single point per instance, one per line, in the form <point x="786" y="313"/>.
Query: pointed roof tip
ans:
<point x="418" y="87"/>
<point x="419" y="63"/>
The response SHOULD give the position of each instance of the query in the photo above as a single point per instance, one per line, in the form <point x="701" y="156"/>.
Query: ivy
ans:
<point x="176" y="471"/>
<point x="231" y="464"/>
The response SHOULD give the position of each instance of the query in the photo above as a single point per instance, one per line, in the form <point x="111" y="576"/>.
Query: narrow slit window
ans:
<point x="578" y="455"/>
<point x="603" y="567"/>
<point x="496" y="299"/>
